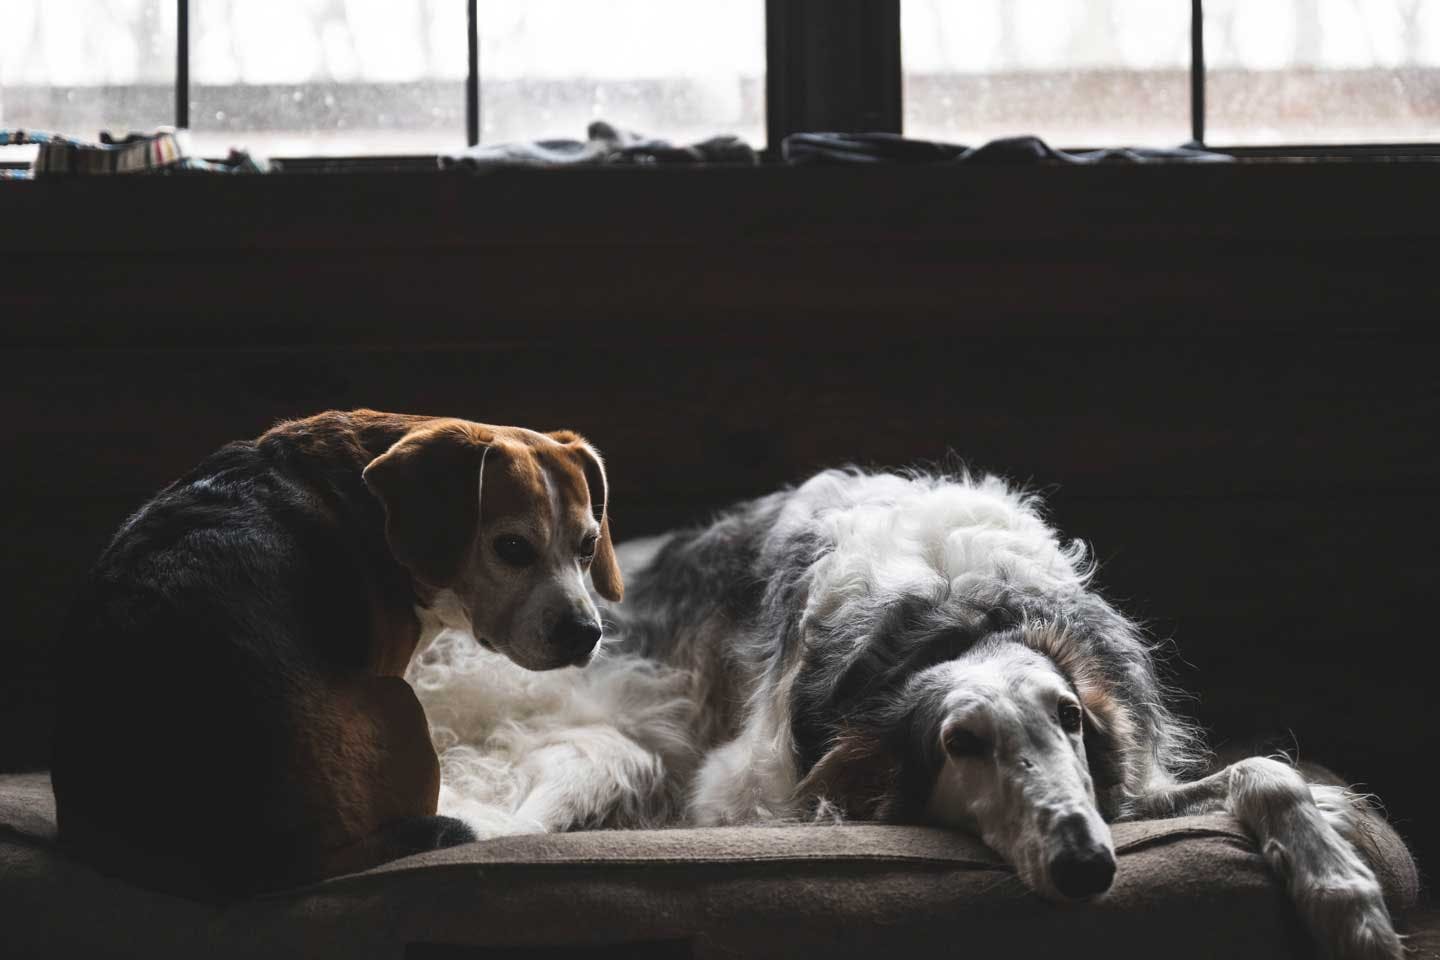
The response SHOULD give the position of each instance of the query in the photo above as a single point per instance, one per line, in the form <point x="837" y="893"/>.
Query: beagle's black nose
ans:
<point x="575" y="635"/>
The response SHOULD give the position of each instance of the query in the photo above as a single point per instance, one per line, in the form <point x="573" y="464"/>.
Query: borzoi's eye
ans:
<point x="587" y="547"/>
<point x="514" y="550"/>
<point x="1070" y="716"/>
<point x="960" y="742"/>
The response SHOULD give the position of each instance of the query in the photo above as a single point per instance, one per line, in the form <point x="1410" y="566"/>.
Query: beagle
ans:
<point x="232" y="716"/>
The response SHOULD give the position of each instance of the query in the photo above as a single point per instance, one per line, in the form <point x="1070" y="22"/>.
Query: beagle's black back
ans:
<point x="196" y="665"/>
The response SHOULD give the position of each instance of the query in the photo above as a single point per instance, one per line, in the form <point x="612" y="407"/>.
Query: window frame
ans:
<point x="1198" y="116"/>
<point x="831" y="65"/>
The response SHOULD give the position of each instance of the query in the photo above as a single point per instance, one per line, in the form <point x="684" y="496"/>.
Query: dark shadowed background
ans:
<point x="1224" y="378"/>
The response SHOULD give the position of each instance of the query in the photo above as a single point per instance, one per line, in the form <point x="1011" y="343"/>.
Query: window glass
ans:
<point x="1322" y="71"/>
<point x="680" y="70"/>
<point x="77" y="67"/>
<point x="299" y="77"/>
<point x="1076" y="72"/>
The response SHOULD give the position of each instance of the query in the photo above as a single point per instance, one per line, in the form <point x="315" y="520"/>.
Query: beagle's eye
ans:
<point x="514" y="550"/>
<point x="1070" y="716"/>
<point x="587" y="547"/>
<point x="960" y="743"/>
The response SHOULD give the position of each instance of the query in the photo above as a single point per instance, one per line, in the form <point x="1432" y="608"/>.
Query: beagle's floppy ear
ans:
<point x="427" y="482"/>
<point x="604" y="569"/>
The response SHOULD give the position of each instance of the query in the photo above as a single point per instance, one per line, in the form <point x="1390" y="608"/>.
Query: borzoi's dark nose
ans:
<point x="1084" y="867"/>
<point x="575" y="636"/>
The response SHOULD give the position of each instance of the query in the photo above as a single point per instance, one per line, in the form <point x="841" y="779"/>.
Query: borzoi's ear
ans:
<point x="427" y="482"/>
<point x="1109" y="731"/>
<point x="604" y="569"/>
<point x="1104" y="738"/>
<point x="857" y="776"/>
<point x="1102" y="753"/>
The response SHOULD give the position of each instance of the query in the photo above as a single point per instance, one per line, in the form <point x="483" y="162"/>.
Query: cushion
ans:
<point x="1194" y="884"/>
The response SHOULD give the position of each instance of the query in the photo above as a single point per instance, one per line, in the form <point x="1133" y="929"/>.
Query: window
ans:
<point x="295" y="77"/>
<point x="1104" y="72"/>
<point x="1323" y="71"/>
<point x="327" y="77"/>
<point x="77" y="66"/>
<point x="1092" y="73"/>
<point x="347" y="77"/>
<point x="681" y="70"/>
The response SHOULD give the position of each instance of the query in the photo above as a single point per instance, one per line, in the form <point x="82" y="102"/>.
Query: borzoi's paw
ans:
<point x="596" y="777"/>
<point x="1336" y="893"/>
<point x="1345" y="912"/>
<point x="725" y="792"/>
<point x="740" y="783"/>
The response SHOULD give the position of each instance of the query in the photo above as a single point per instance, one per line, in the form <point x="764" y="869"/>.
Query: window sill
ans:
<point x="381" y="202"/>
<point x="1306" y="153"/>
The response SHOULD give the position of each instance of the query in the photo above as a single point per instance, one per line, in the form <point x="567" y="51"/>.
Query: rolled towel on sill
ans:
<point x="604" y="144"/>
<point x="164" y="151"/>
<point x="835" y="148"/>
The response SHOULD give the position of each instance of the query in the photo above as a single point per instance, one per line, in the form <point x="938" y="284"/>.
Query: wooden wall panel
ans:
<point x="1175" y="417"/>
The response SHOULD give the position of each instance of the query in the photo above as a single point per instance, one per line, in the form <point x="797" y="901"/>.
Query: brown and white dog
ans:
<point x="232" y="712"/>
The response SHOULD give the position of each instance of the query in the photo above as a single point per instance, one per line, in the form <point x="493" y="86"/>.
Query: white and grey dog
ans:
<point x="904" y="648"/>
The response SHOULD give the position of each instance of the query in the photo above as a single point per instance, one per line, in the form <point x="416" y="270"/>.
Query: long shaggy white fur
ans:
<point x="924" y="535"/>
<point x="524" y="752"/>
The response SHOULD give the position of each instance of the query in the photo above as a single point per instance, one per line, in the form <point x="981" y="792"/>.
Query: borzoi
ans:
<point x="916" y="648"/>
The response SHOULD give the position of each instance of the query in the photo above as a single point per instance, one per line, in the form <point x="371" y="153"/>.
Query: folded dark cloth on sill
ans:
<point x="832" y="148"/>
<point x="603" y="144"/>
<point x="165" y="151"/>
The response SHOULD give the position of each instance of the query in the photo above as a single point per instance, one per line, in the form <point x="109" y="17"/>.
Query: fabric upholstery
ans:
<point x="1194" y="885"/>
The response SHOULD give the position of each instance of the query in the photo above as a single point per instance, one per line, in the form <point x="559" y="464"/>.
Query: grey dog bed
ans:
<point x="1189" y="887"/>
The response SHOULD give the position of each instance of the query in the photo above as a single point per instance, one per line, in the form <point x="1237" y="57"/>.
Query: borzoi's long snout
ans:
<point x="1082" y="859"/>
<point x="1060" y="843"/>
<point x="1015" y="772"/>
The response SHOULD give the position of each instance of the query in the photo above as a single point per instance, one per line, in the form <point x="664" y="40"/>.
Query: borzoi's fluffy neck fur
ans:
<point x="896" y="536"/>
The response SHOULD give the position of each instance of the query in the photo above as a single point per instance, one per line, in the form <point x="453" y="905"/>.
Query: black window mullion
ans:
<point x="832" y="65"/>
<point x="182" y="64"/>
<point x="1197" y="71"/>
<point x="778" y="123"/>
<point x="472" y="75"/>
<point x="880" y="66"/>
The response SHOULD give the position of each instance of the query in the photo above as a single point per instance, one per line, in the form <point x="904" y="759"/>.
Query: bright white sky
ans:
<point x="287" y="41"/>
<point x="970" y="36"/>
<point x="292" y="41"/>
